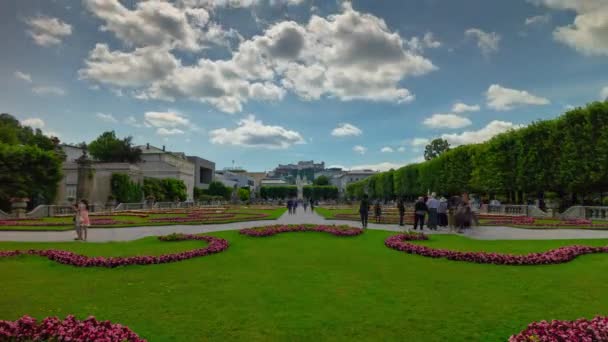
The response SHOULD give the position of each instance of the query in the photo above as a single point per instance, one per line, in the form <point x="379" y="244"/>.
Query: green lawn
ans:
<point x="309" y="286"/>
<point x="240" y="215"/>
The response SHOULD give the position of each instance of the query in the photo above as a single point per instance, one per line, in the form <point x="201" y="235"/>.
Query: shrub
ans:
<point x="124" y="190"/>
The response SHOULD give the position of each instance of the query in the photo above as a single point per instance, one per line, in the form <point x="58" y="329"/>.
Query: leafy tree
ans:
<point x="13" y="133"/>
<point x="436" y="148"/>
<point x="153" y="187"/>
<point x="321" y="180"/>
<point x="244" y="194"/>
<point x="166" y="189"/>
<point x="219" y="189"/>
<point x="125" y="190"/>
<point x="278" y="192"/>
<point x="108" y="148"/>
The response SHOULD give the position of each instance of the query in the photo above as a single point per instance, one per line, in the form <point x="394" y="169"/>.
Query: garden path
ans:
<point x="134" y="233"/>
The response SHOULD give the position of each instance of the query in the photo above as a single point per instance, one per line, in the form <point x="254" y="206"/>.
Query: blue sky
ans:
<point x="262" y="82"/>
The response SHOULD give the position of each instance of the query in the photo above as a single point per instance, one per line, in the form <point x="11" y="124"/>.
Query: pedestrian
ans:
<point x="83" y="212"/>
<point x="312" y="205"/>
<point x="304" y="205"/>
<point x="364" y="211"/>
<point x="442" y="212"/>
<point x="453" y="204"/>
<point x="295" y="206"/>
<point x="290" y="206"/>
<point x="432" y="205"/>
<point x="401" y="209"/>
<point x="378" y="212"/>
<point x="420" y="210"/>
<point x="76" y="220"/>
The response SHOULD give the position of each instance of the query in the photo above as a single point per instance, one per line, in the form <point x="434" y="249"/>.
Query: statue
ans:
<point x="300" y="184"/>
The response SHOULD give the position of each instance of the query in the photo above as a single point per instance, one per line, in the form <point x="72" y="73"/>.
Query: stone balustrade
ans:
<point x="586" y="212"/>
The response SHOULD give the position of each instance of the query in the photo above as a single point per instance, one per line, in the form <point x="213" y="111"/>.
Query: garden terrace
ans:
<point x="155" y="217"/>
<point x="278" y="288"/>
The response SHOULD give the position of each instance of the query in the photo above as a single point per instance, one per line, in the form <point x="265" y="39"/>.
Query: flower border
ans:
<point x="579" y="330"/>
<point x="27" y="328"/>
<point x="555" y="256"/>
<point x="216" y="245"/>
<point x="277" y="229"/>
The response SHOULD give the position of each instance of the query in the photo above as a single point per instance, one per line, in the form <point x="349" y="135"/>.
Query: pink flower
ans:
<point x="581" y="330"/>
<point x="272" y="230"/>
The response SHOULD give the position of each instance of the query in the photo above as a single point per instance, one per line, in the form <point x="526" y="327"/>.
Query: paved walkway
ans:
<point x="134" y="233"/>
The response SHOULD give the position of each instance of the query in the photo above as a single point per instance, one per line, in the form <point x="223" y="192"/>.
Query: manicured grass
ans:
<point x="309" y="286"/>
<point x="240" y="215"/>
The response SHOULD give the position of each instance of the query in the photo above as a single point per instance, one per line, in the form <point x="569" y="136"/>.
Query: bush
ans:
<point x="244" y="194"/>
<point x="218" y="189"/>
<point x="167" y="189"/>
<point x="124" y="190"/>
<point x="278" y="192"/>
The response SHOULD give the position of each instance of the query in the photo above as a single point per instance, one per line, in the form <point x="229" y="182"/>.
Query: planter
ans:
<point x="18" y="207"/>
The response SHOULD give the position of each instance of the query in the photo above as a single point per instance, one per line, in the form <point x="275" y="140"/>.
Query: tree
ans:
<point x="124" y="190"/>
<point x="219" y="189"/>
<point x="244" y="194"/>
<point x="108" y="148"/>
<point x="13" y="133"/>
<point x="436" y="148"/>
<point x="321" y="180"/>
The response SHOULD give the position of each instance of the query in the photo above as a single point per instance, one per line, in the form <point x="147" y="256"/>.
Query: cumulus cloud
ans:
<point x="501" y="98"/>
<point x="47" y="31"/>
<point x="345" y="130"/>
<point x="486" y="41"/>
<point x="360" y="149"/>
<point x="384" y="166"/>
<point x="419" y="142"/>
<point x="387" y="149"/>
<point x="128" y="69"/>
<point x="253" y="133"/>
<point x="132" y="121"/>
<point x="349" y="56"/>
<point x="106" y="117"/>
<point x="33" y="122"/>
<point x="473" y="137"/>
<point x="169" y="131"/>
<point x="462" y="107"/>
<point x="427" y="41"/>
<point x="604" y="94"/>
<point x="538" y="19"/>
<point x="588" y="33"/>
<point x="447" y="121"/>
<point x="23" y="76"/>
<point x="165" y="119"/>
<point x="49" y="90"/>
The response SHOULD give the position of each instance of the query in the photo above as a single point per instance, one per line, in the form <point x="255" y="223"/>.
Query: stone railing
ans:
<point x="3" y="215"/>
<point x="131" y="206"/>
<point x="45" y="210"/>
<point x="515" y="210"/>
<point x="586" y="212"/>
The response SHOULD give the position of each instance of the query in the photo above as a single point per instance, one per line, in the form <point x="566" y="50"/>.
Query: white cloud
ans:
<point x="538" y="19"/>
<point x="604" y="94"/>
<point x="33" y="122"/>
<point x="165" y="120"/>
<point x="419" y="142"/>
<point x="253" y="133"/>
<point x="473" y="137"/>
<point x="387" y="149"/>
<point x="401" y="149"/>
<point x="447" y="121"/>
<point x="132" y="121"/>
<point x="152" y="23"/>
<point x="169" y="131"/>
<point x="588" y="33"/>
<point x="384" y="166"/>
<point x="106" y="117"/>
<point x="345" y="130"/>
<point x="501" y="98"/>
<point x="462" y="107"/>
<point x="47" y="31"/>
<point x="360" y="149"/>
<point x="48" y="90"/>
<point x="23" y="76"/>
<point x="128" y="69"/>
<point x="428" y="41"/>
<point x="486" y="41"/>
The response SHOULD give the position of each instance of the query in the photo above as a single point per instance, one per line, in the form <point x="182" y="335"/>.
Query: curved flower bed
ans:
<point x="216" y="245"/>
<point x="273" y="230"/>
<point x="554" y="256"/>
<point x="565" y="331"/>
<point x="205" y="217"/>
<point x="70" y="329"/>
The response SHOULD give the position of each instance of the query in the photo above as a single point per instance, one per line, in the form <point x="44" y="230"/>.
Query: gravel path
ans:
<point x="134" y="233"/>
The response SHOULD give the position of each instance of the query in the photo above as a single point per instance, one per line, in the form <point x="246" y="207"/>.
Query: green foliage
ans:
<point x="167" y="189"/>
<point x="13" y="133"/>
<point x="321" y="180"/>
<point x="244" y="194"/>
<point x="28" y="171"/>
<point x="436" y="148"/>
<point x="565" y="155"/>
<point x="318" y="192"/>
<point x="124" y="190"/>
<point x="108" y="148"/>
<point x="218" y="189"/>
<point x="278" y="192"/>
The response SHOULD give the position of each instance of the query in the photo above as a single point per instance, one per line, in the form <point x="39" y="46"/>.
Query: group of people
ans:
<point x="81" y="220"/>
<point x="457" y="212"/>
<point x="292" y="205"/>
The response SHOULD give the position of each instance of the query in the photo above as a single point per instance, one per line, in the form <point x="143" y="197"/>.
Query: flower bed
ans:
<point x="206" y="217"/>
<point x="70" y="329"/>
<point x="554" y="256"/>
<point x="272" y="230"/>
<point x="580" y="330"/>
<point x="39" y="223"/>
<point x="216" y="245"/>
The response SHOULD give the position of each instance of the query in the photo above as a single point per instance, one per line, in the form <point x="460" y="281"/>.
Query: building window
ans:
<point x="70" y="191"/>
